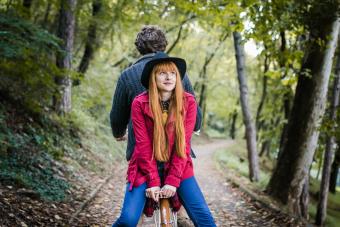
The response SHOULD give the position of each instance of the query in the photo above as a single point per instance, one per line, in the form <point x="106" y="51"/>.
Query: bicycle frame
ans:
<point x="164" y="216"/>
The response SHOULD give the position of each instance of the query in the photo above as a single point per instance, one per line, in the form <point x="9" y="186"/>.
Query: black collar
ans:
<point x="146" y="56"/>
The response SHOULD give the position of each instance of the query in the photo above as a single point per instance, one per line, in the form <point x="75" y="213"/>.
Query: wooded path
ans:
<point x="228" y="204"/>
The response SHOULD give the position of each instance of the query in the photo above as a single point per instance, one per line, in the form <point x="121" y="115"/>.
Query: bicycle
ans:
<point x="165" y="216"/>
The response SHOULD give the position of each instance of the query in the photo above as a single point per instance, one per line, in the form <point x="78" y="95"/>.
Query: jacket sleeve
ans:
<point x="177" y="164"/>
<point x="188" y="88"/>
<point x="143" y="148"/>
<point x="120" y="111"/>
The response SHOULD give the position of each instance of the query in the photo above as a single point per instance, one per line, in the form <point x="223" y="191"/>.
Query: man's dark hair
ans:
<point x="150" y="39"/>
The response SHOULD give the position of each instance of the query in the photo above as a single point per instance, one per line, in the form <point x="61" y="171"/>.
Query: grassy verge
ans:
<point x="40" y="152"/>
<point x="234" y="160"/>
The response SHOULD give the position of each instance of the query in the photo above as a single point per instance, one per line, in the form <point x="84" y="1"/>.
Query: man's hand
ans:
<point x="168" y="191"/>
<point x="123" y="138"/>
<point x="153" y="193"/>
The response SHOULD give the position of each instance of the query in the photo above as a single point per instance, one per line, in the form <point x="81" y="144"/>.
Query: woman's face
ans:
<point x="166" y="80"/>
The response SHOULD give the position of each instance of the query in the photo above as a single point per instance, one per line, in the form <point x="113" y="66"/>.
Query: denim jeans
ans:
<point x="190" y="196"/>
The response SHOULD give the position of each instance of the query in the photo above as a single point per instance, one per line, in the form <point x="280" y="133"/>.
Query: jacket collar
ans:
<point x="145" y="99"/>
<point x="144" y="57"/>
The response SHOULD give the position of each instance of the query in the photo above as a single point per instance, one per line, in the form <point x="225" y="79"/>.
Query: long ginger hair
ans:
<point x="161" y="150"/>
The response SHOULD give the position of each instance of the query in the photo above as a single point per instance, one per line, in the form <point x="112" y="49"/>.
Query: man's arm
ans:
<point x="188" y="88"/>
<point x="120" y="111"/>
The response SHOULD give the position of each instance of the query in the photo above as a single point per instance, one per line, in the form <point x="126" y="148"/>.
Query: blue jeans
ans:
<point x="189" y="193"/>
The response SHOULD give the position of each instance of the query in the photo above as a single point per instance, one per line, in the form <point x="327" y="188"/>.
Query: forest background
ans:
<point x="265" y="73"/>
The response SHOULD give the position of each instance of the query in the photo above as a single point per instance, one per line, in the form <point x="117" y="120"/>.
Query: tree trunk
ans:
<point x="286" y="107"/>
<point x="203" y="85"/>
<point x="27" y="4"/>
<point x="247" y="119"/>
<point x="176" y="40"/>
<point x="289" y="176"/>
<point x="329" y="152"/>
<point x="203" y="95"/>
<point x="62" y="101"/>
<point x="266" y="144"/>
<point x="264" y="93"/>
<point x="335" y="171"/>
<point x="46" y="15"/>
<point x="319" y="168"/>
<point x="233" y="124"/>
<point x="265" y="147"/>
<point x="91" y="41"/>
<point x="287" y="93"/>
<point x="188" y="19"/>
<point x="27" y="8"/>
<point x="304" y="198"/>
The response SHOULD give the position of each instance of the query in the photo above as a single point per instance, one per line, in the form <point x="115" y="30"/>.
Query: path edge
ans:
<point x="262" y="199"/>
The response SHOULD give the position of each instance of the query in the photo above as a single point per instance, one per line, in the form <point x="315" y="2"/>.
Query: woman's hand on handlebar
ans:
<point x="153" y="193"/>
<point x="167" y="191"/>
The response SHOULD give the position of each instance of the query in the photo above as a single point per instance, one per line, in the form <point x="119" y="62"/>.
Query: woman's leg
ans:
<point x="194" y="203"/>
<point x="133" y="206"/>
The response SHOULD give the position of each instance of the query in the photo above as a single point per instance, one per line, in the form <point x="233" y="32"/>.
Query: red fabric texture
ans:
<point x="142" y="166"/>
<point x="151" y="205"/>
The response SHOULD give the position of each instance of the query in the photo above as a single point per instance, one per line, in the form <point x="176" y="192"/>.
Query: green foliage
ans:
<point x="20" y="39"/>
<point x="333" y="204"/>
<point x="30" y="148"/>
<point x="27" y="153"/>
<point x="90" y="114"/>
<point x="329" y="126"/>
<point x="28" y="68"/>
<point x="35" y="173"/>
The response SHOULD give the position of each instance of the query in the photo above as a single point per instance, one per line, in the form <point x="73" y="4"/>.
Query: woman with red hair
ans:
<point x="163" y="120"/>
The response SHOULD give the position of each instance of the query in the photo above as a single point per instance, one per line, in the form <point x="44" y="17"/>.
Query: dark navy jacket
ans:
<point x="128" y="87"/>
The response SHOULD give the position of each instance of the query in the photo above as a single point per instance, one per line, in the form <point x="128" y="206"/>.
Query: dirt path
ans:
<point x="229" y="206"/>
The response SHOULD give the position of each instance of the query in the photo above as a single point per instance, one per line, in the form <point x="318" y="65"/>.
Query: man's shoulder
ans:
<point x="131" y="77"/>
<point x="132" y="69"/>
<point x="138" y="66"/>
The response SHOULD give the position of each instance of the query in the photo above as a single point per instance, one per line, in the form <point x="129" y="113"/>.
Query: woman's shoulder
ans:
<point x="190" y="101"/>
<point x="188" y="96"/>
<point x="143" y="97"/>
